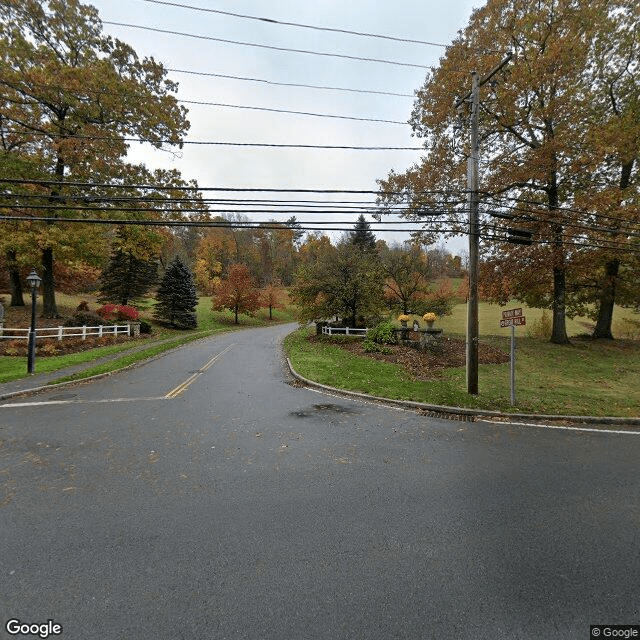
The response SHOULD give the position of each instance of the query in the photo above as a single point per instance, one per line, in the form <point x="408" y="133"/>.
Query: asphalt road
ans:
<point x="202" y="496"/>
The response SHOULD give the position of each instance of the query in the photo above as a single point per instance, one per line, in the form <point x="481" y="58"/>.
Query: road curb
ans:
<point x="462" y="413"/>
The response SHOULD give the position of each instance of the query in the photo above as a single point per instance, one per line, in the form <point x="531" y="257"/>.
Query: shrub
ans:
<point x="83" y="306"/>
<point x="382" y="333"/>
<point x="373" y="347"/>
<point x="441" y="301"/>
<point x="118" y="313"/>
<point x="541" y="328"/>
<point x="379" y="335"/>
<point x="145" y="327"/>
<point x="627" y="328"/>
<point x="81" y="318"/>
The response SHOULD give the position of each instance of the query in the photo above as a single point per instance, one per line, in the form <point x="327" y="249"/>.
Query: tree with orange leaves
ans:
<point x="236" y="292"/>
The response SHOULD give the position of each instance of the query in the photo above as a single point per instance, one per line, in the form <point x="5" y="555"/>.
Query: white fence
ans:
<point x="67" y="332"/>
<point x="344" y="331"/>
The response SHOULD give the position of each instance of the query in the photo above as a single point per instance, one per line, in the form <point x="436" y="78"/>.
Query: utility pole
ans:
<point x="474" y="241"/>
<point x="474" y="225"/>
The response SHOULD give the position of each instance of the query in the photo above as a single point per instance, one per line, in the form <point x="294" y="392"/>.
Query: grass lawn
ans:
<point x="584" y="378"/>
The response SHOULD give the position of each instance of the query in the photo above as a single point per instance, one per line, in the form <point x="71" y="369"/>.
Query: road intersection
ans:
<point x="202" y="495"/>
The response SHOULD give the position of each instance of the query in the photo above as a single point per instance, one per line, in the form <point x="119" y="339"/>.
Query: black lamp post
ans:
<point x="33" y="280"/>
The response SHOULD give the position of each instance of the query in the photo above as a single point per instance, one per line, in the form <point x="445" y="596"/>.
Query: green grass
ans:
<point x="489" y="316"/>
<point x="14" y="368"/>
<point x="584" y="378"/>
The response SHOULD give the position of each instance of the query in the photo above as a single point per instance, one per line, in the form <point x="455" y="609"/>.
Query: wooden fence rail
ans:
<point x="344" y="331"/>
<point x="8" y="333"/>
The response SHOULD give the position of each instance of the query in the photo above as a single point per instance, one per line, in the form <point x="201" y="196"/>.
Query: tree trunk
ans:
<point x="14" y="279"/>
<point x="236" y="312"/>
<point x="608" y="295"/>
<point x="49" y="307"/>
<point x="559" y="330"/>
<point x="607" y="300"/>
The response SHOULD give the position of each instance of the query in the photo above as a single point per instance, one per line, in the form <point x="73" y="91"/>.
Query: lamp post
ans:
<point x="33" y="280"/>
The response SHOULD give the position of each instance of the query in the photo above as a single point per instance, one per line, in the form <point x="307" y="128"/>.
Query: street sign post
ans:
<point x="513" y="318"/>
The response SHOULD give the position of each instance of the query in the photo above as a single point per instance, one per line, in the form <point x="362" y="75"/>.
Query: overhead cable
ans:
<point x="300" y="113"/>
<point x="169" y="187"/>
<point x="213" y="142"/>
<point x="99" y="92"/>
<point x="291" y="84"/>
<point x="265" y="46"/>
<point x="297" y="24"/>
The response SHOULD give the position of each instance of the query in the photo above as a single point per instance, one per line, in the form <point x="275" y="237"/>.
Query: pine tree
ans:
<point x="176" y="297"/>
<point x="362" y="236"/>
<point x="126" y="278"/>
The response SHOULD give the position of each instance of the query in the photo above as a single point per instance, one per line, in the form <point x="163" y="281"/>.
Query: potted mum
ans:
<point x="429" y="318"/>
<point x="404" y="319"/>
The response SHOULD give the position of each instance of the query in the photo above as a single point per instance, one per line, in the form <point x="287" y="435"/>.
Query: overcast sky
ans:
<point x="426" y="20"/>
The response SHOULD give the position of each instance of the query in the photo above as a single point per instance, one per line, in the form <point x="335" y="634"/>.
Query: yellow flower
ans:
<point x="429" y="317"/>
<point x="404" y="318"/>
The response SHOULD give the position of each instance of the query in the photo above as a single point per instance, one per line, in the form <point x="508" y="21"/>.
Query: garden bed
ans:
<point x="54" y="347"/>
<point x="425" y="364"/>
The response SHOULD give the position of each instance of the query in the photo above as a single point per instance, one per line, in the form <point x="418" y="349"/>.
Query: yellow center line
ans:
<point x="184" y="385"/>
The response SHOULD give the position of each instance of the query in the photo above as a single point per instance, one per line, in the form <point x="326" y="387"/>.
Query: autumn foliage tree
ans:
<point x="236" y="292"/>
<point x="407" y="274"/>
<point x="273" y="296"/>
<point x="70" y="96"/>
<point x="345" y="281"/>
<point x="559" y="130"/>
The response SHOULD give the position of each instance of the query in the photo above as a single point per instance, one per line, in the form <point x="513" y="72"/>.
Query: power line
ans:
<point x="244" y="224"/>
<point x="291" y="84"/>
<point x="99" y="92"/>
<point x="542" y="205"/>
<point x="214" y="142"/>
<point x="296" y="24"/>
<point x="331" y="211"/>
<point x="300" y="113"/>
<point x="304" y="226"/>
<point x="195" y="188"/>
<point x="265" y="46"/>
<point x="582" y="245"/>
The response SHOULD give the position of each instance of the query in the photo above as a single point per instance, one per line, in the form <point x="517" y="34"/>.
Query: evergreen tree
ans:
<point x="126" y="278"/>
<point x="362" y="236"/>
<point x="176" y="297"/>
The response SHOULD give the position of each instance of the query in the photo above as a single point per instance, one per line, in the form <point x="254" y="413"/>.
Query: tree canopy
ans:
<point x="560" y="146"/>
<point x="71" y="98"/>
<point x="236" y="292"/>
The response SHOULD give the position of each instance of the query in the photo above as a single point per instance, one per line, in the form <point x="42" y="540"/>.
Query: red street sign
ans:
<point x="512" y="313"/>
<point x="518" y="321"/>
